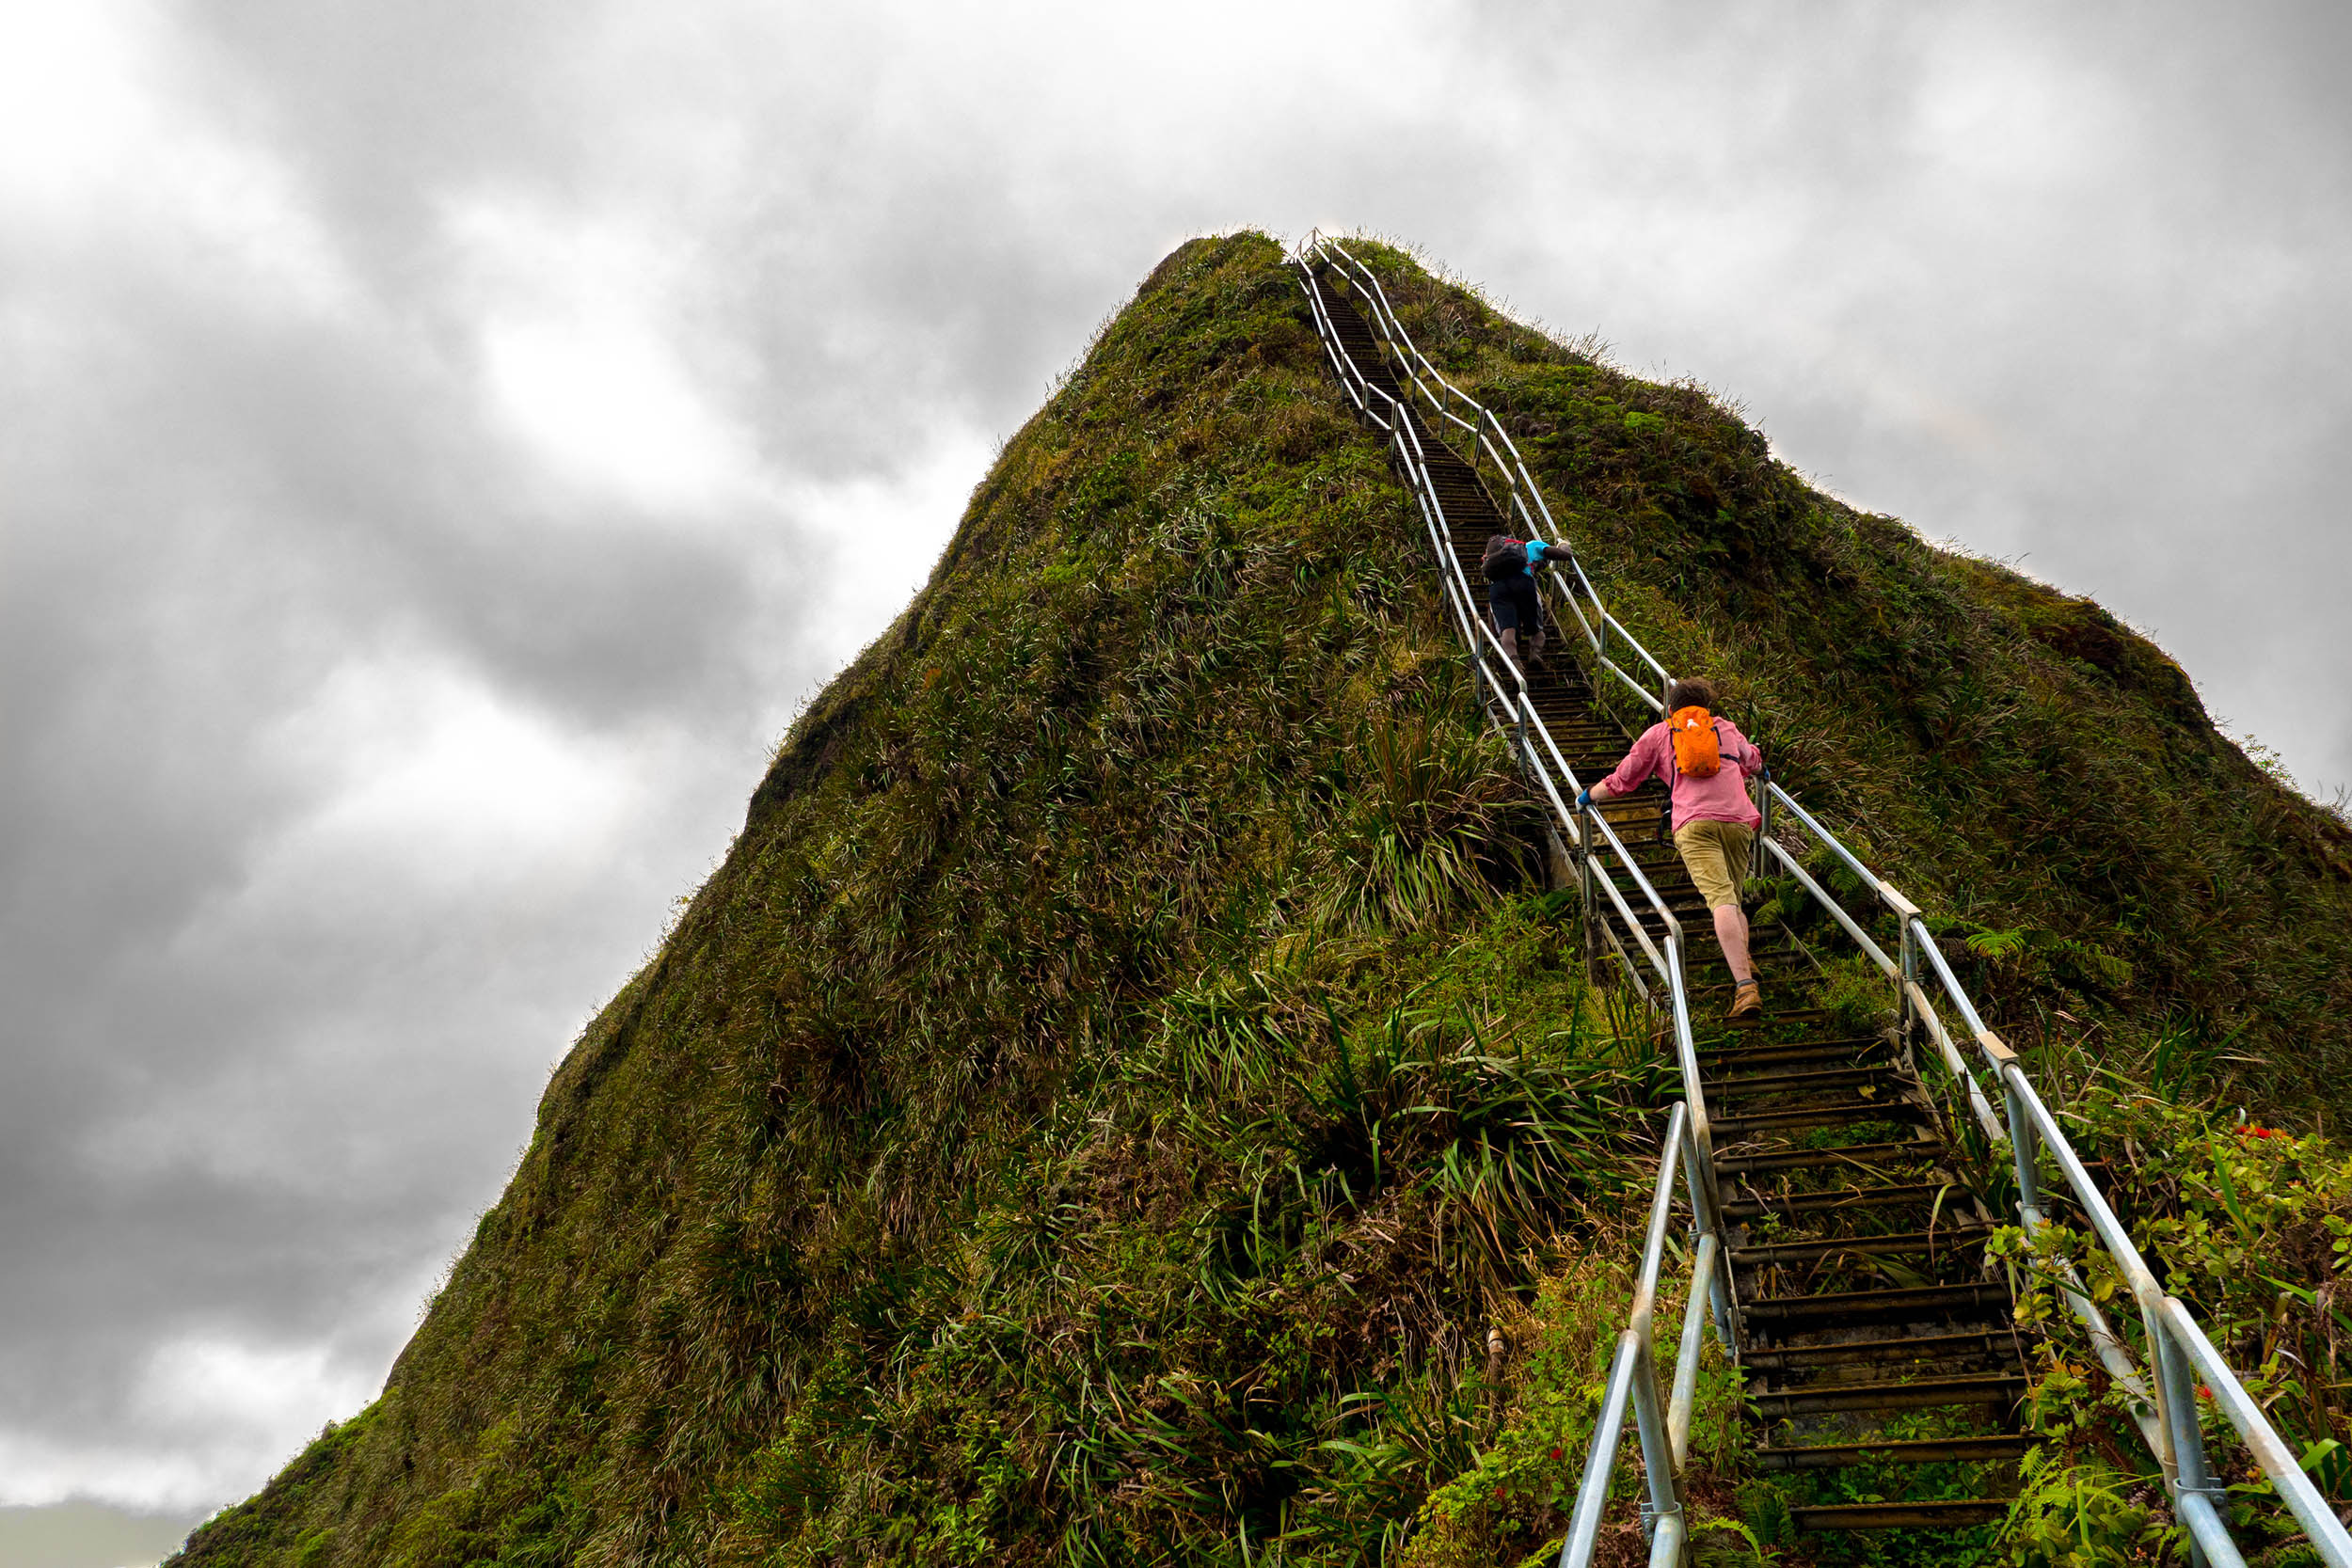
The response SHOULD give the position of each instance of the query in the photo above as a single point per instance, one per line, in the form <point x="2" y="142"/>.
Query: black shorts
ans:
<point x="1513" y="601"/>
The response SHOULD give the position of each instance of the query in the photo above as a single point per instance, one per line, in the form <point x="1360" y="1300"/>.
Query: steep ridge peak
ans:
<point x="1128" y="1094"/>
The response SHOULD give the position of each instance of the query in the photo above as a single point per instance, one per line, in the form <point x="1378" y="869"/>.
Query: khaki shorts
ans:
<point x="1717" y="854"/>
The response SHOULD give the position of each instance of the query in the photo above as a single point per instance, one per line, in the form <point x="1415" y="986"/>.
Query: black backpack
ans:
<point x="1504" y="556"/>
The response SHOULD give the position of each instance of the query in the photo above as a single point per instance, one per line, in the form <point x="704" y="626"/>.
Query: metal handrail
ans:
<point x="2167" y="1416"/>
<point x="1602" y="857"/>
<point x="1664" y="1429"/>
<point x="1510" y="689"/>
<point x="1508" y="694"/>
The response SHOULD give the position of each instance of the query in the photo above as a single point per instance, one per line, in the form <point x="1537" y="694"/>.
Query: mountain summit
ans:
<point x="1130" y="1093"/>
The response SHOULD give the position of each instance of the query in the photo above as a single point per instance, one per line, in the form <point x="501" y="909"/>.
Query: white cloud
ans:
<point x="1999" y="115"/>
<point x="250" y="1393"/>
<point x="885" y="533"/>
<point x="206" y="1414"/>
<point x="76" y="99"/>
<point x="583" y="357"/>
<point x="104" y="144"/>
<point x="441" y="813"/>
<point x="429" y="777"/>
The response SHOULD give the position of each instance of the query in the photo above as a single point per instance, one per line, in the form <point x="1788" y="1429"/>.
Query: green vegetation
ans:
<point x="1128" y="1096"/>
<point x="2252" y="1228"/>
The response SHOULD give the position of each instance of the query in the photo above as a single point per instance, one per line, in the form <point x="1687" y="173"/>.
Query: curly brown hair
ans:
<point x="1690" y="691"/>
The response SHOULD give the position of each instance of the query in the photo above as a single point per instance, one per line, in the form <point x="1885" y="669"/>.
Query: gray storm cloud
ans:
<point x="439" y="445"/>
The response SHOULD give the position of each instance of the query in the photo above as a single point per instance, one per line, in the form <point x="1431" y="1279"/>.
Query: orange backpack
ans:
<point x="1699" y="747"/>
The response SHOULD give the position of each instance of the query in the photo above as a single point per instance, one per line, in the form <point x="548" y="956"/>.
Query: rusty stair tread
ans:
<point x="1765" y="948"/>
<point x="1793" y="1054"/>
<point x="1893" y="1194"/>
<point x="1955" y="1238"/>
<point x="1829" y="1115"/>
<point x="1800" y="1082"/>
<point x="1867" y="1156"/>
<point x="1796" y="1056"/>
<point x="1771" y="1020"/>
<point x="1923" y="1393"/>
<point x="1944" y="1513"/>
<point x="1913" y="1302"/>
<point x="1915" y="1451"/>
<point x="1906" y="1347"/>
<point x="1716" y="1056"/>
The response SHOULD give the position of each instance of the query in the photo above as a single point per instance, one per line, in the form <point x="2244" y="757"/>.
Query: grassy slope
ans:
<point x="972" y="1164"/>
<point x="1121" y="1073"/>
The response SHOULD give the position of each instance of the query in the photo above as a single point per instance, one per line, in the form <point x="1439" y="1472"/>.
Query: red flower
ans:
<point x="1498" y="1491"/>
<point x="1557" y="1454"/>
<point x="2203" y="1392"/>
<point x="2257" y="1130"/>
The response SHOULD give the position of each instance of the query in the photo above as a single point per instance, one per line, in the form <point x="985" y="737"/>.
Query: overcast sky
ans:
<point x="441" y="445"/>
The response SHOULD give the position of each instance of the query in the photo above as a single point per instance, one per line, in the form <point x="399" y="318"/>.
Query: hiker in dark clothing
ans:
<point x="1707" y="764"/>
<point x="1509" y="565"/>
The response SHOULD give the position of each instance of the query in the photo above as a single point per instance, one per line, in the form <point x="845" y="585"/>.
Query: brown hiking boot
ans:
<point x="1747" y="1002"/>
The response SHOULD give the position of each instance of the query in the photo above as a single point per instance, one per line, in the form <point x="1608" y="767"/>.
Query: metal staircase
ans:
<point x="1875" y="1337"/>
<point x="1835" y="1230"/>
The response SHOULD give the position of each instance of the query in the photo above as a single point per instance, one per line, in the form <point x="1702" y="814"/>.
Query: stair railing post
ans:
<point x="2186" y="1472"/>
<point x="2025" y="1146"/>
<point x="1694" y="1344"/>
<point x="1907" y="974"/>
<point x="1710" y="1262"/>
<point x="1585" y="892"/>
<point x="1661" y="1514"/>
<point x="1518" y="709"/>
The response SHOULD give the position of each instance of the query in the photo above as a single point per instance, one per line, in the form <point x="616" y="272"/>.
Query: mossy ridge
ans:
<point x="1083" y="1096"/>
<point x="1122" y="1069"/>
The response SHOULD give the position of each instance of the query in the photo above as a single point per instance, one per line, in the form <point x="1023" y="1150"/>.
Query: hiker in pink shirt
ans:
<point x="1714" y="821"/>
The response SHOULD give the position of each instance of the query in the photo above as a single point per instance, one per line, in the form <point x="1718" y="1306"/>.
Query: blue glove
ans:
<point x="1584" y="799"/>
